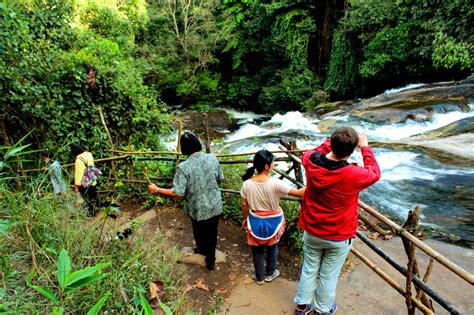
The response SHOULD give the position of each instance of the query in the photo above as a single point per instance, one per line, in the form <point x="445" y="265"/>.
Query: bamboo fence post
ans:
<point x="130" y="161"/>
<point x="206" y="130"/>
<point x="178" y="147"/>
<point x="110" y="140"/>
<point x="389" y="280"/>
<point x="291" y="179"/>
<point x="428" y="250"/>
<point x="417" y="281"/>
<point x="411" y="226"/>
<point x="291" y="155"/>
<point x="297" y="169"/>
<point x="426" y="277"/>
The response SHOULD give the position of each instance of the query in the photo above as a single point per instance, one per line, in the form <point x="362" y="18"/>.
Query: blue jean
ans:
<point x="261" y="271"/>
<point x="325" y="259"/>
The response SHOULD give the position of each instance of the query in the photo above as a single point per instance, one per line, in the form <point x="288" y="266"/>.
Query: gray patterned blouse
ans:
<point x="196" y="180"/>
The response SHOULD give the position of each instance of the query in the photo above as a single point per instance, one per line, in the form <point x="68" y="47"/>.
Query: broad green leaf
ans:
<point x="83" y="273"/>
<point x="29" y="278"/>
<point x="46" y="293"/>
<point x="79" y="284"/>
<point x="14" y="151"/>
<point x="64" y="267"/>
<point x="146" y="306"/>
<point x="96" y="308"/>
<point x="57" y="311"/>
<point x="165" y="308"/>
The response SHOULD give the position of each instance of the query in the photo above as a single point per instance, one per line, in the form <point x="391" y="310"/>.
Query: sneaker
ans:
<point x="275" y="274"/>
<point x="254" y="278"/>
<point x="303" y="309"/>
<point x="332" y="311"/>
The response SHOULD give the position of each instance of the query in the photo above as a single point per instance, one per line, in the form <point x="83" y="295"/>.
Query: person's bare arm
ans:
<point x="297" y="192"/>
<point x="245" y="210"/>
<point x="154" y="189"/>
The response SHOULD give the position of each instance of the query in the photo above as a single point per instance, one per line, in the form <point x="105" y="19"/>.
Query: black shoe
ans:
<point x="196" y="250"/>
<point x="211" y="267"/>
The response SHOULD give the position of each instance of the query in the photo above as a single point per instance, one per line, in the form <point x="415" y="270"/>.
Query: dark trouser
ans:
<point x="205" y="236"/>
<point x="90" y="197"/>
<point x="259" y="262"/>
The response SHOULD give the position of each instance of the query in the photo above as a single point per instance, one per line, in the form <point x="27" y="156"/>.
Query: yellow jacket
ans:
<point x="80" y="166"/>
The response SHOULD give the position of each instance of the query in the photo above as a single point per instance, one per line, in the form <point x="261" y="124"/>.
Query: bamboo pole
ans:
<point x="144" y="181"/>
<point x="292" y="156"/>
<point x="428" y="250"/>
<point x="231" y="191"/>
<point x="389" y="280"/>
<point x="175" y="153"/>
<point x="281" y="159"/>
<point x="206" y="129"/>
<point x="102" y="120"/>
<point x="291" y="179"/>
<point x="141" y="152"/>
<point x="113" y="158"/>
<point x="426" y="276"/>
<point x="416" y="280"/>
<point x="372" y="225"/>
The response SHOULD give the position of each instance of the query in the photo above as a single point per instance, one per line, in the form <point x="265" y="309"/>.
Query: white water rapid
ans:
<point x="444" y="192"/>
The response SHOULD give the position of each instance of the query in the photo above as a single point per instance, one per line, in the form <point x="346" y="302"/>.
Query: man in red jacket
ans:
<point x="328" y="215"/>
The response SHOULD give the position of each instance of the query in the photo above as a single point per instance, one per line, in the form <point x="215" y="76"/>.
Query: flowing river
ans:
<point x="445" y="193"/>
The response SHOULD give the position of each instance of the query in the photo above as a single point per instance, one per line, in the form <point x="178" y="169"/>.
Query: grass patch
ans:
<point x="35" y="228"/>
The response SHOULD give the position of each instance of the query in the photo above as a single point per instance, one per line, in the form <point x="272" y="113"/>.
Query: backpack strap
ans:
<point x="84" y="161"/>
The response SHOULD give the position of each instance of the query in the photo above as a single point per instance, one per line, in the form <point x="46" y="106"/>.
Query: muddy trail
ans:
<point x="229" y="288"/>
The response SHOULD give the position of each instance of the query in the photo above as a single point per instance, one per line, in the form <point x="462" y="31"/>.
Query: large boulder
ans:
<point x="219" y="122"/>
<point x="418" y="103"/>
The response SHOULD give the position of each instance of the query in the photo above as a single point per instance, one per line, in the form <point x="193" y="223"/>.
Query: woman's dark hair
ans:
<point x="77" y="149"/>
<point x="343" y="141"/>
<point x="46" y="153"/>
<point x="190" y="143"/>
<point x="261" y="158"/>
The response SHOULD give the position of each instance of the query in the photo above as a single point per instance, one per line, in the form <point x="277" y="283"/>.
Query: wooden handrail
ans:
<point x="389" y="280"/>
<point x="428" y="250"/>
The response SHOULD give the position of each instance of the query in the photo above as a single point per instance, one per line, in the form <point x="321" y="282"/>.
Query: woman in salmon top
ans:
<point x="263" y="216"/>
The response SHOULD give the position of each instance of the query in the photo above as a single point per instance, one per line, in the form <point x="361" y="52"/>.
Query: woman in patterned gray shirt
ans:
<point x="196" y="180"/>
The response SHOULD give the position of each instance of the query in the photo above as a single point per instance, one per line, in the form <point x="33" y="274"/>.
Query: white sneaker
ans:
<point x="275" y="274"/>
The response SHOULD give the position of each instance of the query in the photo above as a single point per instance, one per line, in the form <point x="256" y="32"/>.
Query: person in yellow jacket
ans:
<point x="83" y="160"/>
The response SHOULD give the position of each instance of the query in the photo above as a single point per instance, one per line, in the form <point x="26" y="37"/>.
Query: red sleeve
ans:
<point x="370" y="173"/>
<point x="324" y="148"/>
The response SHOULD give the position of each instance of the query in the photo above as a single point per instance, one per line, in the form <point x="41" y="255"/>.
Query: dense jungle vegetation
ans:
<point x="61" y="60"/>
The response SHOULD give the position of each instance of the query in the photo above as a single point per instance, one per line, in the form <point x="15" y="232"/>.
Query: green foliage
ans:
<point x="290" y="91"/>
<point x="182" y="52"/>
<point x="55" y="73"/>
<point x="391" y="47"/>
<point x="341" y="79"/>
<point x="450" y="54"/>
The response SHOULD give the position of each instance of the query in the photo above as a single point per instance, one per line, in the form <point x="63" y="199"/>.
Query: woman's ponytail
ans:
<point x="249" y="173"/>
<point x="261" y="158"/>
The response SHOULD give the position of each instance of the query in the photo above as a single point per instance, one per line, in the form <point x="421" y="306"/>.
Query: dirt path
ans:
<point x="360" y="290"/>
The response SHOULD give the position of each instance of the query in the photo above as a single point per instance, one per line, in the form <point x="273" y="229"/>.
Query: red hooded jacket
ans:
<point x="329" y="207"/>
